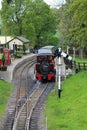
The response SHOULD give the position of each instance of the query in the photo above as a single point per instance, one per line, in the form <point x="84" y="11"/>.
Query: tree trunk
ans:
<point x="74" y="54"/>
<point x="81" y="52"/>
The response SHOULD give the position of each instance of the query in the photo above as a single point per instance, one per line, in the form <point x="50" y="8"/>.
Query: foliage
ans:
<point x="69" y="112"/>
<point x="32" y="19"/>
<point x="79" y="20"/>
<point x="73" y="23"/>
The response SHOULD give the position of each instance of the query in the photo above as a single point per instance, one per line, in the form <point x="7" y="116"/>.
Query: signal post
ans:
<point x="59" y="65"/>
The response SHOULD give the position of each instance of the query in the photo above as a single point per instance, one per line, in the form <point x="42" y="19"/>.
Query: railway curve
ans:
<point x="19" y="93"/>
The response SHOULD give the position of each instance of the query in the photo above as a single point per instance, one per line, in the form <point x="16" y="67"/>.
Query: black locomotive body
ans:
<point x="45" y="65"/>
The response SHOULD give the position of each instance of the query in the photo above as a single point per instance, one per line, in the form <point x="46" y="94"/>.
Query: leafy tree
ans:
<point x="73" y="23"/>
<point x="29" y="18"/>
<point x="64" y="24"/>
<point x="78" y="10"/>
<point x="12" y="15"/>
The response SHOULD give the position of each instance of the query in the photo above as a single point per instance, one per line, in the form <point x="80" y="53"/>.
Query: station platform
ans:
<point x="8" y="75"/>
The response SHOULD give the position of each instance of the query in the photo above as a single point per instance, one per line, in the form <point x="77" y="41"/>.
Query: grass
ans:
<point x="70" y="111"/>
<point x="80" y="60"/>
<point x="5" y="90"/>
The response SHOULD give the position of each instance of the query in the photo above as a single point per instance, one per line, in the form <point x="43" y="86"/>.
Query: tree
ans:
<point x="73" y="23"/>
<point x="32" y="19"/>
<point x="43" y="20"/>
<point x="79" y="20"/>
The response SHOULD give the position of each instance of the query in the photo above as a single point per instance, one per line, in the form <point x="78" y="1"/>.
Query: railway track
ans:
<point x="17" y="98"/>
<point x="23" y="77"/>
<point x="23" y="99"/>
<point x="34" y="122"/>
<point x="26" y="116"/>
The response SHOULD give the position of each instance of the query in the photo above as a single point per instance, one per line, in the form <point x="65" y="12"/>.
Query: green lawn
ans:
<point x="70" y="111"/>
<point x="5" y="90"/>
<point x="80" y="60"/>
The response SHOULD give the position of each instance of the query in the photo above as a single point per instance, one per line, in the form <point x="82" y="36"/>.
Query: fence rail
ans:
<point x="80" y="65"/>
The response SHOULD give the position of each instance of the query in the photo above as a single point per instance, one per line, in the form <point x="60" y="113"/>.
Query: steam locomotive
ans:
<point x="45" y="65"/>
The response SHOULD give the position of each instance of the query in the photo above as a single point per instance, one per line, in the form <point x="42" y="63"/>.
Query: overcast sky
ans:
<point x="49" y="2"/>
<point x="55" y="2"/>
<point x="0" y="4"/>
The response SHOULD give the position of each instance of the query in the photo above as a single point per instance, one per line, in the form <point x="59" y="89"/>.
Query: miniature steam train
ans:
<point x="45" y="65"/>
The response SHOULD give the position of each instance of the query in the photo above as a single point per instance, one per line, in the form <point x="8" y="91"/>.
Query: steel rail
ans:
<point x="31" y="101"/>
<point x="15" y="101"/>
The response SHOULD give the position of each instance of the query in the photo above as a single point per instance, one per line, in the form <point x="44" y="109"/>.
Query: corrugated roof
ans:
<point x="7" y="39"/>
<point x="22" y="39"/>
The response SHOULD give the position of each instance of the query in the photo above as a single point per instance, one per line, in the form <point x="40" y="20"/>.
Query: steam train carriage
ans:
<point x="45" y="66"/>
